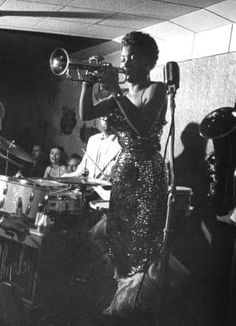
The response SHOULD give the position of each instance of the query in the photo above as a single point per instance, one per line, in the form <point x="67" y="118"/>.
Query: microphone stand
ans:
<point x="164" y="262"/>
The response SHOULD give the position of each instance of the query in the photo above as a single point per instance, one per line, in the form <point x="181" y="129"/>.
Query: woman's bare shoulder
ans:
<point x="157" y="85"/>
<point x="156" y="89"/>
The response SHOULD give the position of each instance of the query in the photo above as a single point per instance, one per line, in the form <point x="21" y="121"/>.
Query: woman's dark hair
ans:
<point x="145" y="43"/>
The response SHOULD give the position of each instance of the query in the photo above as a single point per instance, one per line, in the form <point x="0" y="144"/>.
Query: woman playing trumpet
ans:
<point x="139" y="188"/>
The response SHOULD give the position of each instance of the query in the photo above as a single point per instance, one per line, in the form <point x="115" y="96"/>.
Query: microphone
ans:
<point x="171" y="76"/>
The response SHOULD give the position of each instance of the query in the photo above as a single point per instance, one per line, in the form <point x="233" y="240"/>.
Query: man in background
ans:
<point x="74" y="160"/>
<point x="39" y="162"/>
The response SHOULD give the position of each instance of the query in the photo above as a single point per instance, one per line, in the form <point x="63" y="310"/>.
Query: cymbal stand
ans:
<point x="163" y="272"/>
<point x="7" y="152"/>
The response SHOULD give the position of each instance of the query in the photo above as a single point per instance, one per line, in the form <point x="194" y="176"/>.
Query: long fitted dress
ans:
<point x="138" y="200"/>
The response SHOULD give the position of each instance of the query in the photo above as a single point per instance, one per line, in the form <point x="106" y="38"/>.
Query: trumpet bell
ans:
<point x="59" y="62"/>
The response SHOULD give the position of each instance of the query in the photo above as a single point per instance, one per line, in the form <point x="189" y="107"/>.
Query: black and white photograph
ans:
<point x="117" y="163"/>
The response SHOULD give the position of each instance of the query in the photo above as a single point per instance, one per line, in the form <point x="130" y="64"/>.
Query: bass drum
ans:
<point x="12" y="189"/>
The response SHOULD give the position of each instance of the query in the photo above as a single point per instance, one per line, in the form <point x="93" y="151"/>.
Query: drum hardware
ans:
<point x="11" y="148"/>
<point x="6" y="158"/>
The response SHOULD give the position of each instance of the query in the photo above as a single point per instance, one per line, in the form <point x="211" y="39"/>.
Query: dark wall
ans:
<point x="28" y="89"/>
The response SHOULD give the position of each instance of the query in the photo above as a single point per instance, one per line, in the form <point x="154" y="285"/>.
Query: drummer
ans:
<point x="57" y="168"/>
<point x="101" y="154"/>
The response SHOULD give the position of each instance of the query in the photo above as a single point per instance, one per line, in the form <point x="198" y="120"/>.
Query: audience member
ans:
<point x="74" y="160"/>
<point x="57" y="165"/>
<point x="39" y="162"/>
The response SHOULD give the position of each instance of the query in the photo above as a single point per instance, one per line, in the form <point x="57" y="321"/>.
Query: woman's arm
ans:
<point x="46" y="173"/>
<point x="90" y="111"/>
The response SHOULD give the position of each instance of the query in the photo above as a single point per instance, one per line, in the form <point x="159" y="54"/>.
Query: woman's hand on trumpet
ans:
<point x="110" y="80"/>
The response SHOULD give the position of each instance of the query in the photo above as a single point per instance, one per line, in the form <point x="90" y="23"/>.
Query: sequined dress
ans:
<point x="138" y="200"/>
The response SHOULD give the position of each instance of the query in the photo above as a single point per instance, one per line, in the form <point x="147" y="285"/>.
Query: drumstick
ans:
<point x="84" y="151"/>
<point x="113" y="157"/>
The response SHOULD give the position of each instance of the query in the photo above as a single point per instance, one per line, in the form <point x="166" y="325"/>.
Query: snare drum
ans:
<point x="11" y="189"/>
<point x="63" y="204"/>
<point x="182" y="205"/>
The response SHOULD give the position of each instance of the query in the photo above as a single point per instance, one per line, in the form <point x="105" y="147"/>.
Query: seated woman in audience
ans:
<point x="57" y="159"/>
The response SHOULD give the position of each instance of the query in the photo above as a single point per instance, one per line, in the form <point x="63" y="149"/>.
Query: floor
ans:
<point x="199" y="299"/>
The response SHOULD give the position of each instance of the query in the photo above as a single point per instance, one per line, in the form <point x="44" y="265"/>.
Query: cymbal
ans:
<point x="48" y="183"/>
<point x="10" y="160"/>
<point x="15" y="150"/>
<point x="86" y="181"/>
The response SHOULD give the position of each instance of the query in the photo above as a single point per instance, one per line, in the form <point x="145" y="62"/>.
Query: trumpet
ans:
<point x="62" y="64"/>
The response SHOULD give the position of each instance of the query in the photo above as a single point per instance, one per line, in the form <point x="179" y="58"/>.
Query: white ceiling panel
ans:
<point x="168" y="30"/>
<point x="57" y="26"/>
<point x="107" y="5"/>
<point x="200" y="21"/>
<point x="25" y="5"/>
<point x="233" y="39"/>
<point x="212" y="42"/>
<point x="90" y="16"/>
<point x="53" y="2"/>
<point x="225" y="9"/>
<point x="109" y="19"/>
<point x="106" y="32"/>
<point x="129" y="21"/>
<point x="161" y="10"/>
<point x="19" y="22"/>
<point x="194" y="3"/>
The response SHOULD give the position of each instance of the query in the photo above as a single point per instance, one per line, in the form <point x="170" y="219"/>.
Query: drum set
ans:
<point x="59" y="199"/>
